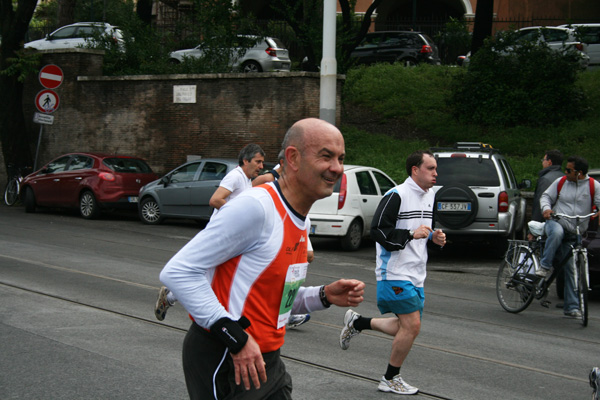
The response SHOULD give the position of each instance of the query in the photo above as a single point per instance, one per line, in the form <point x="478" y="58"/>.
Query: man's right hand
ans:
<point x="547" y="214"/>
<point x="249" y="365"/>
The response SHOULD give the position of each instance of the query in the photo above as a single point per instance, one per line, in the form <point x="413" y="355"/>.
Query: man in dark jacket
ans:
<point x="550" y="172"/>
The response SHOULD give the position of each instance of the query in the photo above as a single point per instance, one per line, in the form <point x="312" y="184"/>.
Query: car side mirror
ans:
<point x="525" y="184"/>
<point x="165" y="180"/>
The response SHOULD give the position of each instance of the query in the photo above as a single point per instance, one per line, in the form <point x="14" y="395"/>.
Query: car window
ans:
<point x="58" y="165"/>
<point x="365" y="183"/>
<point x="127" y="165"/>
<point x="385" y="184"/>
<point x="213" y="171"/>
<point x="370" y="41"/>
<point x="589" y="35"/>
<point x="185" y="173"/>
<point x="468" y="171"/>
<point x="508" y="174"/>
<point x="528" y="35"/>
<point x="555" y="35"/>
<point x="80" y="162"/>
<point x="64" y="33"/>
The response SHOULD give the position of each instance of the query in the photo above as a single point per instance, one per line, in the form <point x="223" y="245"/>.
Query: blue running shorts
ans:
<point x="399" y="297"/>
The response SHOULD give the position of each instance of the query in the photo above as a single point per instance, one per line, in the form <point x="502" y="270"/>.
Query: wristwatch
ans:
<point x="411" y="234"/>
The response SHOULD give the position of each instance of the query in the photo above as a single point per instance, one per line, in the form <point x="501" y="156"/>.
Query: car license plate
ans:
<point x="312" y="229"/>
<point x="132" y="199"/>
<point x="449" y="206"/>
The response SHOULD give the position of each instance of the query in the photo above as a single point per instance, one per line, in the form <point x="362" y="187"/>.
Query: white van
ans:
<point x="590" y="34"/>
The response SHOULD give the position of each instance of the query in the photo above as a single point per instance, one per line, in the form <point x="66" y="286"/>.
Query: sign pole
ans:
<point x="37" y="150"/>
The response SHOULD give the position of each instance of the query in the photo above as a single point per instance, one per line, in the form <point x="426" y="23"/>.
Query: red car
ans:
<point x="90" y="181"/>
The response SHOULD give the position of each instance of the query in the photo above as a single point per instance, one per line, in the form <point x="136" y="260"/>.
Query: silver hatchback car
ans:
<point x="267" y="55"/>
<point x="77" y="35"/>
<point x="183" y="192"/>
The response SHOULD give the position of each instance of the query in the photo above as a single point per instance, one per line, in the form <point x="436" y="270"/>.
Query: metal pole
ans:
<point x="328" y="64"/>
<point x="37" y="150"/>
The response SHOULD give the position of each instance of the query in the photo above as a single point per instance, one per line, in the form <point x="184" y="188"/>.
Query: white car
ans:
<point x="266" y="55"/>
<point x="348" y="212"/>
<point x="590" y="35"/>
<point x="76" y="35"/>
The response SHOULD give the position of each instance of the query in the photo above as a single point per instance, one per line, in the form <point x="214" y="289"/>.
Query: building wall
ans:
<point x="138" y="115"/>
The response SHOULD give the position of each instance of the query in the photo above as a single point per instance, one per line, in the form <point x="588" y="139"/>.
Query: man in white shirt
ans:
<point x="250" y="160"/>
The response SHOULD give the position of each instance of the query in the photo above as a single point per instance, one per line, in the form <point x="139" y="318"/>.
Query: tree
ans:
<point x="484" y="16"/>
<point x="14" y="22"/>
<point x="305" y="17"/>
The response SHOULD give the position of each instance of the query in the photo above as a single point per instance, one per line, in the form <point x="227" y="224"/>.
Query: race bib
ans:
<point x="296" y="275"/>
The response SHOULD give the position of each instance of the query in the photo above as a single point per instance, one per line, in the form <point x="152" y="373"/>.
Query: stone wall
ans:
<point x="139" y="115"/>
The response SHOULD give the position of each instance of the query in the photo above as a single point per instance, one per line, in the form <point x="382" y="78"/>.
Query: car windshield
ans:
<point x="468" y="171"/>
<point x="131" y="165"/>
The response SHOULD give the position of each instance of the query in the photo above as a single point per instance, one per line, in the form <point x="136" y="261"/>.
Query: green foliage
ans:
<point x="524" y="83"/>
<point x="420" y="95"/>
<point x="454" y="40"/>
<point x="25" y="63"/>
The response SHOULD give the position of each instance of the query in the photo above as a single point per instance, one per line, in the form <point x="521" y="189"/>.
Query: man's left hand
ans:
<point x="345" y="292"/>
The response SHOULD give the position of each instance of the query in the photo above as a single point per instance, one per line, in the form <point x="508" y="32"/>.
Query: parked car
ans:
<point x="590" y="35"/>
<point x="76" y="35"/>
<point x="89" y="181"/>
<point x="406" y="47"/>
<point x="557" y="38"/>
<point x="477" y="195"/>
<point x="348" y="212"/>
<point x="184" y="192"/>
<point x="268" y="54"/>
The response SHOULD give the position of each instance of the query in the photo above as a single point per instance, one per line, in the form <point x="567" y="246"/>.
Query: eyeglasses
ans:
<point x="569" y="170"/>
<point x="544" y="159"/>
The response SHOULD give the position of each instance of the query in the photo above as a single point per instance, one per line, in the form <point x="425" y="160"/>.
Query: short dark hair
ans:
<point x="555" y="156"/>
<point x="580" y="163"/>
<point x="415" y="160"/>
<point x="248" y="153"/>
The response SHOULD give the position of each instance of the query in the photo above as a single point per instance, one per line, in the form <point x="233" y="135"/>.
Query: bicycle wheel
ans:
<point x="11" y="193"/>
<point x="582" y="287"/>
<point x="515" y="283"/>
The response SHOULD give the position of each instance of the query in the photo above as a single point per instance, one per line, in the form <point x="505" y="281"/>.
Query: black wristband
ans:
<point x="231" y="333"/>
<point x="323" y="297"/>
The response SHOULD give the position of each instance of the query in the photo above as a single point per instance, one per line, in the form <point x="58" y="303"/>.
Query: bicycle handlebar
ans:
<point x="560" y="215"/>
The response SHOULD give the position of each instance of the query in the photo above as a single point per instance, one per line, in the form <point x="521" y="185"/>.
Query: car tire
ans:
<point x="88" y="206"/>
<point x="251" y="66"/>
<point x="352" y="239"/>
<point x="149" y="211"/>
<point x="456" y="192"/>
<point x="29" y="200"/>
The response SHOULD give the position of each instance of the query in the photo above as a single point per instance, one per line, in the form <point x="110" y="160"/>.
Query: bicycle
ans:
<point x="517" y="283"/>
<point x="13" y="187"/>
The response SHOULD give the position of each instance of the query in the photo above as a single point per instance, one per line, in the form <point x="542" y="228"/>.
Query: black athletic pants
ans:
<point x="209" y="371"/>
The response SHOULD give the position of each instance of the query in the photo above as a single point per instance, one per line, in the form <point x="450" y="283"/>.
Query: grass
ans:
<point x="418" y="96"/>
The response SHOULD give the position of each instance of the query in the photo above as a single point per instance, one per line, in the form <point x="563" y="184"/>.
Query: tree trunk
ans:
<point x="66" y="12"/>
<point x="484" y="16"/>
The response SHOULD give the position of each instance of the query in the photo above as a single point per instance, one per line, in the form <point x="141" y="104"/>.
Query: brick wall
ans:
<point x="137" y="114"/>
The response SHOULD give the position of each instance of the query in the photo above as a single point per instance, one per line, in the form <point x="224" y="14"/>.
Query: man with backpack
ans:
<point x="574" y="194"/>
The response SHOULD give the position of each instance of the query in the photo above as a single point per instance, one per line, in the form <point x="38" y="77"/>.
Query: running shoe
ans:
<point x="396" y="385"/>
<point x="348" y="331"/>
<point x="162" y="304"/>
<point x="297" y="320"/>
<point x="595" y="382"/>
<point x="544" y="273"/>
<point x="573" y="314"/>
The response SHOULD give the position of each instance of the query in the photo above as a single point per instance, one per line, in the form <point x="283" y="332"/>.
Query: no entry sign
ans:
<point x="51" y="76"/>
<point x="47" y="101"/>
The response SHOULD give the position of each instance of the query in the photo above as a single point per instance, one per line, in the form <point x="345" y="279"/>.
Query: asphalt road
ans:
<point x="77" y="322"/>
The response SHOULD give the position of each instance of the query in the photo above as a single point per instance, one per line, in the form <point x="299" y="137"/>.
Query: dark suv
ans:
<point x="477" y="195"/>
<point x="409" y="48"/>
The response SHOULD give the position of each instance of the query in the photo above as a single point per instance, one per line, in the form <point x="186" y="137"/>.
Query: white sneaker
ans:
<point x="543" y="272"/>
<point x="297" y="320"/>
<point x="396" y="385"/>
<point x="348" y="331"/>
